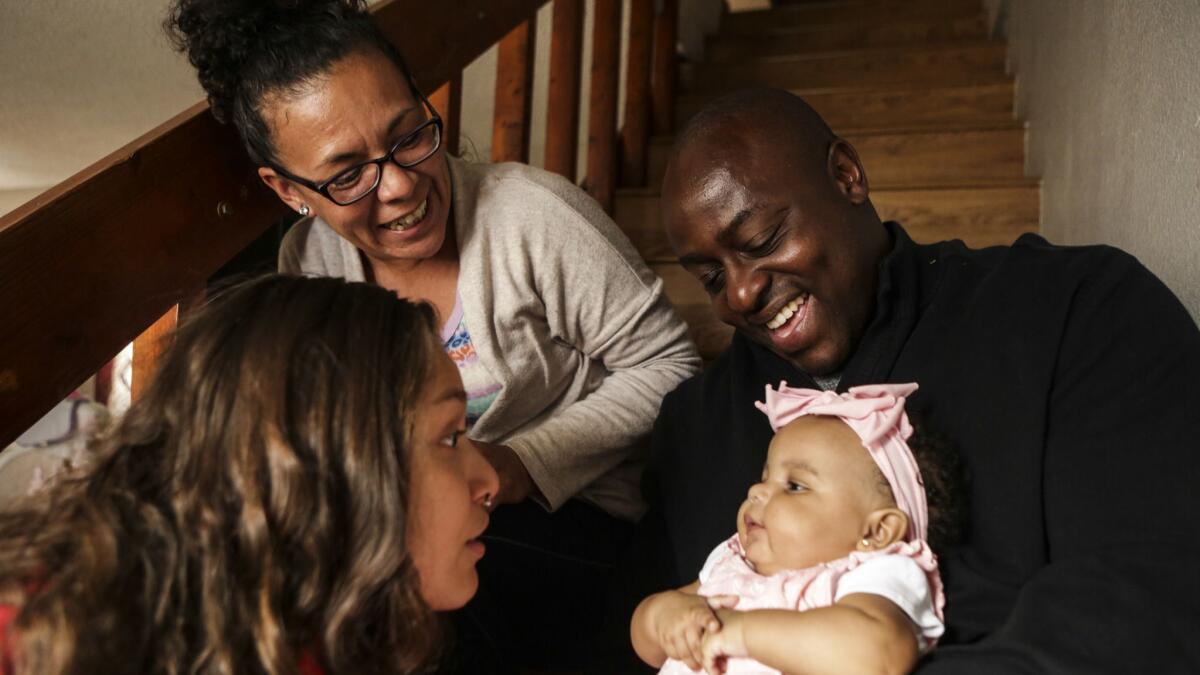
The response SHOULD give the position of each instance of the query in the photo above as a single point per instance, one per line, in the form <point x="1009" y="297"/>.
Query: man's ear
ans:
<point x="286" y="189"/>
<point x="847" y="171"/>
<point x="883" y="528"/>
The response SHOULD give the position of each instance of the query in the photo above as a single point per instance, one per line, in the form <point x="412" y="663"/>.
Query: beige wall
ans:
<point x="80" y="78"/>
<point x="1111" y="91"/>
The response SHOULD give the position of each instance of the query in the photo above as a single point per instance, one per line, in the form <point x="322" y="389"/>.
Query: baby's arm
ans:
<point x="861" y="633"/>
<point x="671" y="624"/>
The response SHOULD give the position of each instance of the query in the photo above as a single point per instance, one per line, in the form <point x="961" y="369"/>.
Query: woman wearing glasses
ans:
<point x="564" y="339"/>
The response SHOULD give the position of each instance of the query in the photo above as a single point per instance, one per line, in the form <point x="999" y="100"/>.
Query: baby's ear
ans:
<point x="883" y="528"/>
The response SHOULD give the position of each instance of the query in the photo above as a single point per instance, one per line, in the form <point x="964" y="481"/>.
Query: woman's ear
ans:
<point x="286" y="190"/>
<point x="883" y="528"/>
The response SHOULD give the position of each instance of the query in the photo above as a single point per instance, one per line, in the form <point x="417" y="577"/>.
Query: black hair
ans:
<point x="776" y="110"/>
<point x="945" y="481"/>
<point x="246" y="50"/>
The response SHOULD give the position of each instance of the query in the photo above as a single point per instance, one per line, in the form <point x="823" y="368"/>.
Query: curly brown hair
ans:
<point x="248" y="509"/>
<point x="945" y="483"/>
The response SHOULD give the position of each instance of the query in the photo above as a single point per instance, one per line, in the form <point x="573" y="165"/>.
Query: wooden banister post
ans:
<point x="602" y="117"/>
<point x="514" y="94"/>
<point x="148" y="350"/>
<point x="562" y="101"/>
<point x="635" y="134"/>
<point x="666" y="31"/>
<point x="447" y="101"/>
<point x="148" y="347"/>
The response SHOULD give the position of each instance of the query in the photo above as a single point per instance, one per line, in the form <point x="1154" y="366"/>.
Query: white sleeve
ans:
<point x="901" y="580"/>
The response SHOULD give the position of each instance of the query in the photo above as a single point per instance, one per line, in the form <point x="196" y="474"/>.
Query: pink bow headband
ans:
<point x="876" y="413"/>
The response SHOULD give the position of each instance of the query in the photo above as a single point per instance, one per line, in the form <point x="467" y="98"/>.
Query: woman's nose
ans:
<point x="482" y="477"/>
<point x="397" y="183"/>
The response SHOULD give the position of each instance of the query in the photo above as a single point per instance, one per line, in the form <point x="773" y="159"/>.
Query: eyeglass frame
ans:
<point x="322" y="187"/>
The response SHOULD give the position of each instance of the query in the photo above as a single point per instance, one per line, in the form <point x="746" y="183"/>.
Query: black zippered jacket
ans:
<point x="1069" y="380"/>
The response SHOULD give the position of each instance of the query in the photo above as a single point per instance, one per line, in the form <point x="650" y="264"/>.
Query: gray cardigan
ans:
<point x="563" y="313"/>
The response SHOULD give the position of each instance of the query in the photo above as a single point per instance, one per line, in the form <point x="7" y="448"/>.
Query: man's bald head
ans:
<point x="770" y="210"/>
<point x="771" y="115"/>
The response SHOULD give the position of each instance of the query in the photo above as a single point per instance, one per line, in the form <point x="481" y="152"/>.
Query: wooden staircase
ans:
<point x="915" y="85"/>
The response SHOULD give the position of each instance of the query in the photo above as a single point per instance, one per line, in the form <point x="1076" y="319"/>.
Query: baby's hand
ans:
<point x="717" y="647"/>
<point x="682" y="619"/>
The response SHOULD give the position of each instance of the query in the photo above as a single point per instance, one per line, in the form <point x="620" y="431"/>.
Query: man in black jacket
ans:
<point x="1067" y="377"/>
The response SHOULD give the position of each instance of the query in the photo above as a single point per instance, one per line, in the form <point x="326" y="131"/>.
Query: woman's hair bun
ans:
<point x="227" y="39"/>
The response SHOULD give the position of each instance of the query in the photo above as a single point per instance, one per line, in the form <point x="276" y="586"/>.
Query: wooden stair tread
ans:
<point x="733" y="47"/>
<point x="861" y="12"/>
<point x="898" y="105"/>
<point x="955" y="64"/>
<point x="973" y="184"/>
<point x="984" y="44"/>
<point x="851" y="87"/>
<point x="665" y="140"/>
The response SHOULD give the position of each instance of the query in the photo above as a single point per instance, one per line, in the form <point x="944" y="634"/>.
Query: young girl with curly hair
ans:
<point x="292" y="494"/>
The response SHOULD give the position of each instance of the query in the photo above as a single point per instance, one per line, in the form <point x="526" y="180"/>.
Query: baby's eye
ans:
<point x="452" y="439"/>
<point x="793" y="486"/>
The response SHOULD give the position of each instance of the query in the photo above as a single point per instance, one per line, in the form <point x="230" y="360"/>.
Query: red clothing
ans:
<point x="7" y="614"/>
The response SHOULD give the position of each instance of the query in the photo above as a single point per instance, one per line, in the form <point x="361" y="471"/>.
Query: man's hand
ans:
<point x="515" y="483"/>
<point x="728" y="642"/>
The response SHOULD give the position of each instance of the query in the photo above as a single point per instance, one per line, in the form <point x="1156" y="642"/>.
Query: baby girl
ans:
<point x="830" y="569"/>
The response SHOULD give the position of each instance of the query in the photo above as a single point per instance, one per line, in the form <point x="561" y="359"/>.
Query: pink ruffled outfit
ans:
<point x="727" y="573"/>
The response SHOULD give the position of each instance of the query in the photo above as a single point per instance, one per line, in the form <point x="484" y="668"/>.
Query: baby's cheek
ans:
<point x="741" y="523"/>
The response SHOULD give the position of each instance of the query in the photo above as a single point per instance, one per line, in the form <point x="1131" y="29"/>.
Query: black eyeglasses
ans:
<point x="361" y="180"/>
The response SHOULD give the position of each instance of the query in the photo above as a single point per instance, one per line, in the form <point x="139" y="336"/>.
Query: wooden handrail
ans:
<point x="86" y="266"/>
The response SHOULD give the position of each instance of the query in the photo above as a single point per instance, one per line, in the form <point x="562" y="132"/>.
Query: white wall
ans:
<point x="1111" y="91"/>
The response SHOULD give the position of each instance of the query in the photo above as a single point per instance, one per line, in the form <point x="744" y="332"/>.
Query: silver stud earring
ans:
<point x="866" y="543"/>
<point x="487" y="501"/>
<point x="304" y="209"/>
